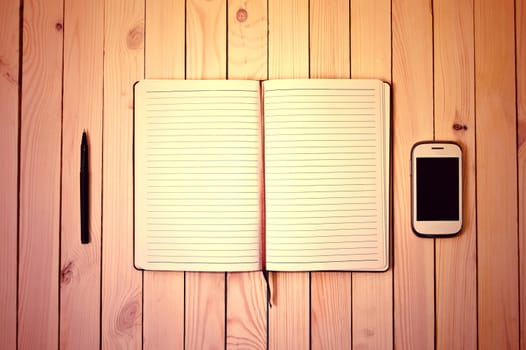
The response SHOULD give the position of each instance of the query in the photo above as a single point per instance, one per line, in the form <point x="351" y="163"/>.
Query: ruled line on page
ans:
<point x="189" y="103"/>
<point x="197" y="93"/>
<point x="202" y="250"/>
<point x="309" y="262"/>
<point x="307" y="97"/>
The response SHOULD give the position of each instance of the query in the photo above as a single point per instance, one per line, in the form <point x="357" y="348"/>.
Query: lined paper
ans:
<point x="197" y="148"/>
<point x="326" y="174"/>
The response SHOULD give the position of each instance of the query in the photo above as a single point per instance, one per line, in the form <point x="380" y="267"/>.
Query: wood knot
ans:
<point x="458" y="126"/>
<point x="368" y="332"/>
<point x="135" y="38"/>
<point x="4" y="71"/>
<point x="66" y="275"/>
<point x="128" y="316"/>
<point x="241" y="15"/>
<point x="59" y="26"/>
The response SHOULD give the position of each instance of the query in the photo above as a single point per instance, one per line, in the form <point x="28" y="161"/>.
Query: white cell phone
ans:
<point x="436" y="188"/>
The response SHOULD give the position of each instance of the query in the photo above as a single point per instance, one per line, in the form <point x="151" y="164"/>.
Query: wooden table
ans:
<point x="458" y="72"/>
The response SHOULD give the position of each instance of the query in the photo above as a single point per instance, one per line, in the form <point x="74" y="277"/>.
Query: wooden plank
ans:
<point x="121" y="283"/>
<point x="205" y="310"/>
<point x="163" y="309"/>
<point x="330" y="291"/>
<point x="80" y="263"/>
<point x="329" y="40"/>
<point x="246" y="311"/>
<point x="165" y="39"/>
<point x="246" y="306"/>
<point x="205" y="59"/>
<point x="9" y="85"/>
<point x="520" y="30"/>
<point x="413" y="264"/>
<point x="40" y="195"/>
<point x="288" y="40"/>
<point x="331" y="310"/>
<point x="372" y="293"/>
<point x="288" y="49"/>
<point x="247" y="39"/>
<point x="206" y="39"/>
<point x="498" y="304"/>
<point x="456" y="293"/>
<point x="289" y="317"/>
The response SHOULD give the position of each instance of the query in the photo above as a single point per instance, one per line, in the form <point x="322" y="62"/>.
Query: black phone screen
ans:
<point x="437" y="189"/>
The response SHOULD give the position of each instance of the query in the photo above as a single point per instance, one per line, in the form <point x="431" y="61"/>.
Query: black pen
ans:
<point x="84" y="190"/>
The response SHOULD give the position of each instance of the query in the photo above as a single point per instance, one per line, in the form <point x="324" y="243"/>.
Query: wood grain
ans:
<point x="520" y="30"/>
<point x="498" y="304"/>
<point x="331" y="310"/>
<point x="246" y="292"/>
<point x="289" y="316"/>
<point x="9" y="85"/>
<point x="372" y="301"/>
<point x="38" y="293"/>
<point x="206" y="39"/>
<point x="330" y="291"/>
<point x="121" y="283"/>
<point x="163" y="309"/>
<point x="288" y="49"/>
<point x="456" y="293"/>
<point x="205" y="310"/>
<point x="165" y="39"/>
<point x="81" y="263"/>
<point x="247" y="39"/>
<point x="205" y="59"/>
<point x="288" y="39"/>
<point x="246" y="311"/>
<point x="329" y="40"/>
<point x="413" y="265"/>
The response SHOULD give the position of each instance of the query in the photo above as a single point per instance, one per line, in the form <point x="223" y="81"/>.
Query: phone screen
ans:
<point x="437" y="183"/>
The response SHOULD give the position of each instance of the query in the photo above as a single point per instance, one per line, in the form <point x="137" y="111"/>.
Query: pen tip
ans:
<point x="84" y="136"/>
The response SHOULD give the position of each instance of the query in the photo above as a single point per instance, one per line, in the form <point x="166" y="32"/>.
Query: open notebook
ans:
<point x="280" y="175"/>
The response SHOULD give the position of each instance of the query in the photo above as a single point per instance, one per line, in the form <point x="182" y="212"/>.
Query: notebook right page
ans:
<point x="327" y="175"/>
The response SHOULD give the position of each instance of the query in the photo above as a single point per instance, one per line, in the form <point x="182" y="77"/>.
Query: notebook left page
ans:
<point x="196" y="169"/>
